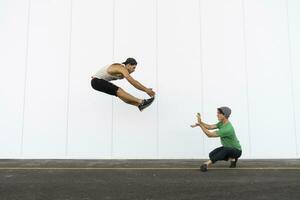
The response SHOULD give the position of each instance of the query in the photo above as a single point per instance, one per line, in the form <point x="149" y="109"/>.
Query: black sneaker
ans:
<point x="233" y="163"/>
<point x="145" y="103"/>
<point x="203" y="167"/>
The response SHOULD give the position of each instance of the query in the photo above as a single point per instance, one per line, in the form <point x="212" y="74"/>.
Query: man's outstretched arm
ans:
<point x="135" y="83"/>
<point x="208" y="133"/>
<point x="208" y="126"/>
<point x="205" y="127"/>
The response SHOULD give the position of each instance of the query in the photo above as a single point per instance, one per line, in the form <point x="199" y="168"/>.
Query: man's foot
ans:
<point x="233" y="163"/>
<point x="145" y="103"/>
<point x="203" y="167"/>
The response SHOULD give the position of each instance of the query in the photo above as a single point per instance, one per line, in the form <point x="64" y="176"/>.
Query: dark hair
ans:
<point x="220" y="111"/>
<point x="130" y="61"/>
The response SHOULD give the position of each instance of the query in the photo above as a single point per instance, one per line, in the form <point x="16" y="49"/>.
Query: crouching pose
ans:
<point x="231" y="149"/>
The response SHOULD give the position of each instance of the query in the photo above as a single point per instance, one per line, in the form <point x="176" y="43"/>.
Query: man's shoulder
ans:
<point x="228" y="124"/>
<point x="229" y="127"/>
<point x="115" y="67"/>
<point x="218" y="124"/>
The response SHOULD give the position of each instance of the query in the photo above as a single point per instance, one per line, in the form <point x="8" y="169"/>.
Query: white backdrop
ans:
<point x="196" y="54"/>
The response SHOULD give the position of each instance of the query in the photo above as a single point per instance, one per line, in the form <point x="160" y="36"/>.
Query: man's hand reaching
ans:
<point x="150" y="92"/>
<point x="195" y="125"/>
<point x="199" y="121"/>
<point x="199" y="118"/>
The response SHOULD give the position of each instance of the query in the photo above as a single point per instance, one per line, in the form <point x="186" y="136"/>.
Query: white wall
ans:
<point x="197" y="55"/>
<point x="13" y="62"/>
<point x="89" y="112"/>
<point x="293" y="7"/>
<point x="46" y="84"/>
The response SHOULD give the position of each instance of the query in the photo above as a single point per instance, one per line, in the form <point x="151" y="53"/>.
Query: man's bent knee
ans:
<point x="120" y="91"/>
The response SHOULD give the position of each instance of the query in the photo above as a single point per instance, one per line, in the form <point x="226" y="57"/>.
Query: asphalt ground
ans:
<point x="148" y="179"/>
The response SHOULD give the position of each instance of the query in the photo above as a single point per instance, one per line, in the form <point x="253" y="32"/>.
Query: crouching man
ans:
<point x="231" y="149"/>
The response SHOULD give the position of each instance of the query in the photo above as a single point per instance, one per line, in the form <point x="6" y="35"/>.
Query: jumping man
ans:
<point x="101" y="82"/>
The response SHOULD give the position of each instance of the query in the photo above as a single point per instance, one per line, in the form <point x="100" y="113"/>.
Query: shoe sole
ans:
<point x="203" y="168"/>
<point x="147" y="105"/>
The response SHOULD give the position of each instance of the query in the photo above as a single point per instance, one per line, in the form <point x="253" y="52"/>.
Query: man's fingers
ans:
<point x="194" y="125"/>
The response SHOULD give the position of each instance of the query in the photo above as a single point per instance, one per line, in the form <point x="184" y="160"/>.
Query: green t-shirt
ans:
<point x="227" y="135"/>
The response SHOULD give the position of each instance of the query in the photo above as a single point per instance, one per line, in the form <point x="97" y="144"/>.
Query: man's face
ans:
<point x="130" y="68"/>
<point x="220" y="116"/>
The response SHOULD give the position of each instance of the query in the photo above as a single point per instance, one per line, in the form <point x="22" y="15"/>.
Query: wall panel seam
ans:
<point x="25" y="78"/>
<point x="69" y="76"/>
<point x="112" y="100"/>
<point x="291" y="76"/>
<point x="246" y="72"/>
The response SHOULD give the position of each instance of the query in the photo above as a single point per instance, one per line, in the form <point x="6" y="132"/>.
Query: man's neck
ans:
<point x="225" y="121"/>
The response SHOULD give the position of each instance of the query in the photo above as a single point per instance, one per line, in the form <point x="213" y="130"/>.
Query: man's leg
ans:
<point x="212" y="153"/>
<point x="211" y="159"/>
<point x="111" y="89"/>
<point x="128" y="98"/>
<point x="233" y="155"/>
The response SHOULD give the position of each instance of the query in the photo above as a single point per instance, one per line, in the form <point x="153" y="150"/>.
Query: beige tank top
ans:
<point x="103" y="74"/>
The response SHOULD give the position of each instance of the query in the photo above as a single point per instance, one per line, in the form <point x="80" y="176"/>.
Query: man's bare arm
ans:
<point x="208" y="133"/>
<point x="205" y="127"/>
<point x="208" y="126"/>
<point x="134" y="82"/>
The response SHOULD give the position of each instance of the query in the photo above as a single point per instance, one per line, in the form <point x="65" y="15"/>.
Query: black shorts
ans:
<point x="224" y="153"/>
<point x="104" y="86"/>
